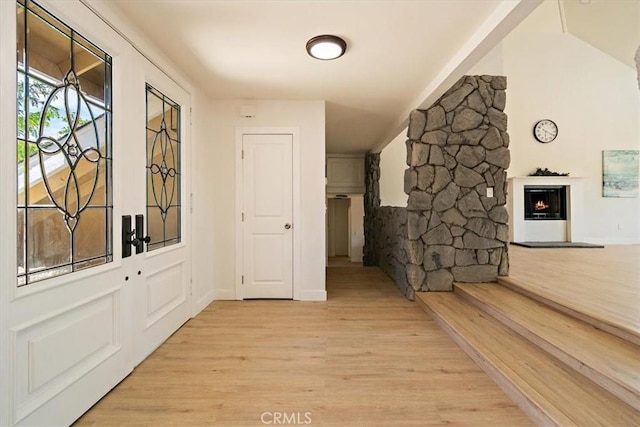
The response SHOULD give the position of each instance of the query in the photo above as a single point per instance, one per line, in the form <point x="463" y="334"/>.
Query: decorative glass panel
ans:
<point x="163" y="170"/>
<point x="63" y="148"/>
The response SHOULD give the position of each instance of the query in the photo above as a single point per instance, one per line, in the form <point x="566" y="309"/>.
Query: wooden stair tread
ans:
<point x="549" y="393"/>
<point x="608" y="360"/>
<point x="622" y="326"/>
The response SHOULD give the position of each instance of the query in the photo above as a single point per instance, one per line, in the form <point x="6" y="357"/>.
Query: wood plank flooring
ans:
<point x="602" y="283"/>
<point x="549" y="391"/>
<point x="561" y="370"/>
<point x="609" y="361"/>
<point x="366" y="357"/>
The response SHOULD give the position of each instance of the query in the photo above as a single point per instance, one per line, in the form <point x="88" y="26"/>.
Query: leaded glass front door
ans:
<point x="163" y="298"/>
<point x="163" y="169"/>
<point x="65" y="305"/>
<point x="75" y="315"/>
<point x="64" y="120"/>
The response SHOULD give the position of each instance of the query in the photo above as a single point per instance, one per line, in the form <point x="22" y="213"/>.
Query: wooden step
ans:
<point x="550" y="393"/>
<point x="610" y="361"/>
<point x="622" y="328"/>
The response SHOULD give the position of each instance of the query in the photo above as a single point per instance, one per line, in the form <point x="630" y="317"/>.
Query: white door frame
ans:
<point x="239" y="187"/>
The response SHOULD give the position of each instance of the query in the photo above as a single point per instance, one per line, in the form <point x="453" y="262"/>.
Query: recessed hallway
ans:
<point x="366" y="357"/>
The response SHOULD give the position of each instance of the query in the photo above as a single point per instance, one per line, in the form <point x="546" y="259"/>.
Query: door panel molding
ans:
<point x="169" y="292"/>
<point x="45" y="286"/>
<point x="39" y="377"/>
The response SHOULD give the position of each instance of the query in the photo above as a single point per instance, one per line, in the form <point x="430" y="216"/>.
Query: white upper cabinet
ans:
<point x="345" y="174"/>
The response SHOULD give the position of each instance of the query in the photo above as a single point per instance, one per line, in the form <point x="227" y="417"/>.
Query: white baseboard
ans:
<point x="202" y="303"/>
<point x="224" y="295"/>
<point x="616" y="241"/>
<point x="313" y="296"/>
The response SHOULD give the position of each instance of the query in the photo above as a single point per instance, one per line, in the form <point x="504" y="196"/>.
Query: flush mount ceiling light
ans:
<point x="326" y="47"/>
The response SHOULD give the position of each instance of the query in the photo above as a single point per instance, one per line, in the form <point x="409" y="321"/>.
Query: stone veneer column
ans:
<point x="371" y="206"/>
<point x="456" y="149"/>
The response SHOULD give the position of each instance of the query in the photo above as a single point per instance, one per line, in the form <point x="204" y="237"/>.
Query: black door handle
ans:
<point x="133" y="237"/>
<point x="127" y="236"/>
<point x="140" y="239"/>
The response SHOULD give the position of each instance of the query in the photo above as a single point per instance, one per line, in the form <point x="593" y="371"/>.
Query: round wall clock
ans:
<point x="545" y="130"/>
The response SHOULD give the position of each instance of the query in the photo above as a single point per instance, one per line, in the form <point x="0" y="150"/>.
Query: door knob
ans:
<point x="287" y="226"/>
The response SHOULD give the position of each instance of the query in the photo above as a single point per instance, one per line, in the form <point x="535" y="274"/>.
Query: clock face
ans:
<point x="545" y="130"/>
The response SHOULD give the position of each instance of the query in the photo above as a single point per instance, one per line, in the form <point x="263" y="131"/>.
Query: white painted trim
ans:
<point x="331" y="235"/>
<point x="239" y="185"/>
<point x="297" y="243"/>
<point x="188" y="212"/>
<point x="313" y="296"/>
<point x="223" y="295"/>
<point x="204" y="301"/>
<point x="612" y="241"/>
<point x="297" y="208"/>
<point x="342" y="156"/>
<point x="8" y="167"/>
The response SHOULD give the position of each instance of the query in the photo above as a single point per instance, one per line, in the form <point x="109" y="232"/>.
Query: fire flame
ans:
<point x="540" y="205"/>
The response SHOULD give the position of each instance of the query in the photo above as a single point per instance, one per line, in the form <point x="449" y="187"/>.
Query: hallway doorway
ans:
<point x="339" y="227"/>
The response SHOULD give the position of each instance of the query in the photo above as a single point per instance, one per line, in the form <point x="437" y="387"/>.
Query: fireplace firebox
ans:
<point x="545" y="202"/>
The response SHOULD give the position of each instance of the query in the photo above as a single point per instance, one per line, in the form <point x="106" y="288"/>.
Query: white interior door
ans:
<point x="267" y="180"/>
<point x="76" y="314"/>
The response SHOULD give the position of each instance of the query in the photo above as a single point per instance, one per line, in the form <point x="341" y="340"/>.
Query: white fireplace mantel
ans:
<point x="520" y="230"/>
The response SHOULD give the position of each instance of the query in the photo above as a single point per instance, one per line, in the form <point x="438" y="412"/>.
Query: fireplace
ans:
<point x="549" y="229"/>
<point x="545" y="202"/>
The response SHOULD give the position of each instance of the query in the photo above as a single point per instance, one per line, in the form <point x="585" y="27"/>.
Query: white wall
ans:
<point x="491" y="64"/>
<point x="214" y="234"/>
<point x="356" y="218"/>
<point x="595" y="101"/>
<point x="393" y="162"/>
<point x="593" y="98"/>
<point x="204" y="203"/>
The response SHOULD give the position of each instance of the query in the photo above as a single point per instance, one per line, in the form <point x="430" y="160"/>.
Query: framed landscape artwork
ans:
<point x="620" y="171"/>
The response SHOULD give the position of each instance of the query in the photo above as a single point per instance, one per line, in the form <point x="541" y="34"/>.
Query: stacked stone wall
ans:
<point x="456" y="150"/>
<point x="385" y="230"/>
<point x="371" y="206"/>
<point x="451" y="230"/>
<point x="392" y="238"/>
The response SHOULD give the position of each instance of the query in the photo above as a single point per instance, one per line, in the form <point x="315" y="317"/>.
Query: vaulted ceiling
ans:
<point x="402" y="54"/>
<point x="612" y="26"/>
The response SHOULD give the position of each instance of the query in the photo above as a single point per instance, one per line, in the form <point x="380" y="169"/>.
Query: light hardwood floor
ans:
<point x="603" y="283"/>
<point x="366" y="357"/>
